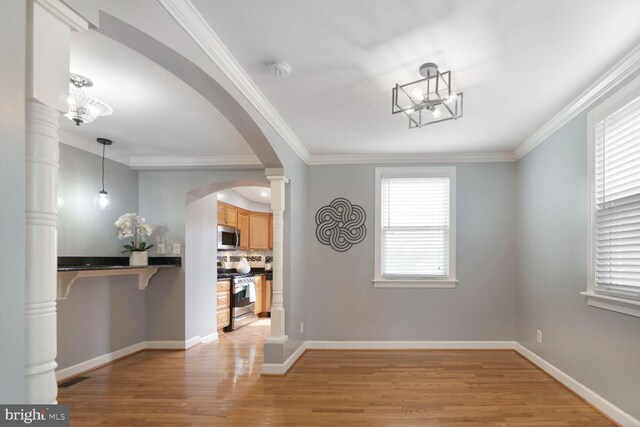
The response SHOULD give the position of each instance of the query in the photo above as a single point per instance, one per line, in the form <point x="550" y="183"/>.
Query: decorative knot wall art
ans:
<point x="341" y="224"/>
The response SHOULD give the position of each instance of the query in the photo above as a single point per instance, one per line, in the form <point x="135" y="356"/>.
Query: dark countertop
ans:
<point x="230" y="273"/>
<point x="113" y="263"/>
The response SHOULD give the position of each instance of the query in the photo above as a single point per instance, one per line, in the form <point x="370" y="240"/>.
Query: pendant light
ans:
<point x="103" y="196"/>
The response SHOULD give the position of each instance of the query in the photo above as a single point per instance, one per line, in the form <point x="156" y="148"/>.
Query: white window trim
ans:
<point x="598" y="297"/>
<point x="449" y="282"/>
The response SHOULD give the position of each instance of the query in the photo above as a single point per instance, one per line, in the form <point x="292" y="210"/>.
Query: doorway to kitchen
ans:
<point x="228" y="274"/>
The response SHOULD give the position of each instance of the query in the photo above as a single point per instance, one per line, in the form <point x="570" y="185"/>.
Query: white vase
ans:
<point x="140" y="258"/>
<point x="243" y="266"/>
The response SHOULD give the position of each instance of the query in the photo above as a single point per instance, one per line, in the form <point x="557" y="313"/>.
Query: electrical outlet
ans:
<point x="176" y="248"/>
<point x="302" y="327"/>
<point x="160" y="248"/>
<point x="539" y="336"/>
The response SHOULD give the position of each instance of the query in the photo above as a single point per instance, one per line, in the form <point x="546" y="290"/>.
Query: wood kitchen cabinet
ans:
<point x="270" y="242"/>
<point x="259" y="284"/>
<point x="243" y="226"/>
<point x="258" y="230"/>
<point x="227" y="215"/>
<point x="221" y="214"/>
<point x="223" y="295"/>
<point x="232" y="217"/>
<point x="266" y="296"/>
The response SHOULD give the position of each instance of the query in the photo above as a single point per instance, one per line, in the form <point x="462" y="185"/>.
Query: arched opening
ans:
<point x="234" y="307"/>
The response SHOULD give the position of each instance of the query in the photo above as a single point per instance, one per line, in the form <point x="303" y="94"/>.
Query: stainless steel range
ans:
<point x="242" y="302"/>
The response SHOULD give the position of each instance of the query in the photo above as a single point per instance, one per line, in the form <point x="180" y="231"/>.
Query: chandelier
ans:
<point x="82" y="107"/>
<point x="428" y="100"/>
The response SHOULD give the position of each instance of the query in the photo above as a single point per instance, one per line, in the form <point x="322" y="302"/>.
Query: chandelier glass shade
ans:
<point x="82" y="107"/>
<point x="429" y="100"/>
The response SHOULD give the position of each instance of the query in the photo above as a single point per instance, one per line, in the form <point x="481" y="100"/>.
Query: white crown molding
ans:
<point x="358" y="159"/>
<point x="65" y="14"/>
<point x="91" y="147"/>
<point x="620" y="71"/>
<point x="186" y="162"/>
<point x="188" y="17"/>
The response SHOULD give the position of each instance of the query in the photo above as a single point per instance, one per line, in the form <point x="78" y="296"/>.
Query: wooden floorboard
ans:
<point x="220" y="384"/>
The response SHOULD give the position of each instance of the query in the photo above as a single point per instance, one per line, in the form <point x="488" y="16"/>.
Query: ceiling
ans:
<point x="255" y="194"/>
<point x="518" y="62"/>
<point x="155" y="113"/>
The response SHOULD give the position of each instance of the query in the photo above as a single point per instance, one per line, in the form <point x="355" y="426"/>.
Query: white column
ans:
<point x="41" y="252"/>
<point x="277" y="308"/>
<point x="47" y="87"/>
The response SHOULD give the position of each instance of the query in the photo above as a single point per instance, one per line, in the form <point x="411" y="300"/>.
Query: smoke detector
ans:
<point x="279" y="70"/>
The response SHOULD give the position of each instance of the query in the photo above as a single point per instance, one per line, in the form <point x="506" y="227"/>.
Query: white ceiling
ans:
<point x="255" y="194"/>
<point x="519" y="62"/>
<point x="155" y="113"/>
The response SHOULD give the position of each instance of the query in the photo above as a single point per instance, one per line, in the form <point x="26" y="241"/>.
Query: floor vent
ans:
<point x="72" y="381"/>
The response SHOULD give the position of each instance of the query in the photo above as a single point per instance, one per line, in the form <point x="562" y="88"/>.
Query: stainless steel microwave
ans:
<point x="228" y="238"/>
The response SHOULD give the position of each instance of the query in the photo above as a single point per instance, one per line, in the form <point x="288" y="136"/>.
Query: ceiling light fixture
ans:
<point x="82" y="107"/>
<point x="103" y="196"/>
<point x="428" y="100"/>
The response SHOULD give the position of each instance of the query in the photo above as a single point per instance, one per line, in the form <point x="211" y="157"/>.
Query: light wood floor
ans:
<point x="220" y="384"/>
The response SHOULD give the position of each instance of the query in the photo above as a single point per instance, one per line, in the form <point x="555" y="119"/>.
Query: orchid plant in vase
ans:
<point x="132" y="225"/>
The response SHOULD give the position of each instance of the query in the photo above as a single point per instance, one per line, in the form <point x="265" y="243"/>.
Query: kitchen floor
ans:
<point x="220" y="384"/>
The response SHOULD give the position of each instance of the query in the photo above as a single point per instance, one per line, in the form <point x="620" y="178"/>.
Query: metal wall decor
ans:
<point x="341" y="224"/>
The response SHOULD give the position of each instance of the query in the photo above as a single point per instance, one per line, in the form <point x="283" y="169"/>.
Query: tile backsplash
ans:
<point x="257" y="259"/>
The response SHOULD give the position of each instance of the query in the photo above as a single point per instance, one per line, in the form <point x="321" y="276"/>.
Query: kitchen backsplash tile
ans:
<point x="257" y="259"/>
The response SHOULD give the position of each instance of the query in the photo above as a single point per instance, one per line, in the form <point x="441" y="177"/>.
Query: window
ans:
<point x="614" y="157"/>
<point x="415" y="227"/>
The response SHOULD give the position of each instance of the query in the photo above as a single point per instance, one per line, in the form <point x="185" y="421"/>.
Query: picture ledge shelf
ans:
<point x="68" y="278"/>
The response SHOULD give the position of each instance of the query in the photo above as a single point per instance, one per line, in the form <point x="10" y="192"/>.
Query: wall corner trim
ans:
<point x="620" y="71"/>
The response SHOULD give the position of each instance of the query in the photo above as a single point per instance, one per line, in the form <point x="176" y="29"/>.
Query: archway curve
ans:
<point x="206" y="190"/>
<point x="196" y="78"/>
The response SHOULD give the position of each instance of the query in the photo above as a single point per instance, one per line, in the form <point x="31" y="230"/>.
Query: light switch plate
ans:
<point x="539" y="336"/>
<point x="176" y="248"/>
<point x="160" y="248"/>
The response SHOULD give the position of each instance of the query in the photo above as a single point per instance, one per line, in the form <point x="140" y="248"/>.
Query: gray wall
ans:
<point x="599" y="348"/>
<point x="13" y="25"/>
<point x="346" y="306"/>
<point x="102" y="314"/>
<point x="163" y="197"/>
<point x="200" y="267"/>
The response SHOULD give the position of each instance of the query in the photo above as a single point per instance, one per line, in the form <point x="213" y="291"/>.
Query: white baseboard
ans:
<point x="192" y="342"/>
<point x="599" y="402"/>
<point x="74" y="370"/>
<point x="168" y="345"/>
<point x="209" y="338"/>
<point x="282" y="368"/>
<point x="410" y="345"/>
<point x="609" y="409"/>
<point x="606" y="407"/>
<point x="88" y="365"/>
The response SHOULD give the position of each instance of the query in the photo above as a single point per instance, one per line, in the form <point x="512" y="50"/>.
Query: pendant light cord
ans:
<point x="104" y="147"/>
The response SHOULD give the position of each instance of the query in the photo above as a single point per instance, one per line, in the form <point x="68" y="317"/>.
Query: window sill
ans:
<point x="417" y="283"/>
<point x="607" y="302"/>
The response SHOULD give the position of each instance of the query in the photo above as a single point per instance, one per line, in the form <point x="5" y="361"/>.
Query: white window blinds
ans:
<point x="617" y="201"/>
<point x="415" y="226"/>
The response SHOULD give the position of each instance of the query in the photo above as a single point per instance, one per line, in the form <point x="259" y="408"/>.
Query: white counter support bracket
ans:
<point x="68" y="278"/>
